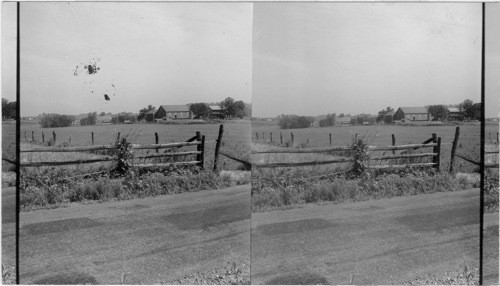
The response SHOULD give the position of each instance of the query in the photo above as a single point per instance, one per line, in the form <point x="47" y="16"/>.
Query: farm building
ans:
<point x="389" y="117"/>
<point x="103" y="120"/>
<point x="150" y="115"/>
<point x="453" y="113"/>
<point x="412" y="114"/>
<point x="343" y="121"/>
<point x="167" y="112"/>
<point x="217" y="111"/>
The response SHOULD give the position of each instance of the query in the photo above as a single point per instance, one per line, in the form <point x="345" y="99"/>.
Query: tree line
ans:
<point x="9" y="109"/>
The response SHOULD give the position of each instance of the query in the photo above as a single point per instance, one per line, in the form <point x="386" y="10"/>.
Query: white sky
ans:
<point x="492" y="59"/>
<point x="153" y="53"/>
<point x="317" y="58"/>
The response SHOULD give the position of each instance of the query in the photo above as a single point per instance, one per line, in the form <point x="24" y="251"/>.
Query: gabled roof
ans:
<point x="215" y="107"/>
<point x="414" y="109"/>
<point x="453" y="109"/>
<point x="104" y="118"/>
<point x="343" y="119"/>
<point x="175" y="108"/>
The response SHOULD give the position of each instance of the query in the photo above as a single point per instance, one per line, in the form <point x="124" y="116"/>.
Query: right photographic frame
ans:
<point x="366" y="144"/>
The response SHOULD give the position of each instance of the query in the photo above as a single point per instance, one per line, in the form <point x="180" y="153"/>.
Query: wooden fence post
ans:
<point x="54" y="137"/>
<point x="393" y="143"/>
<point x="438" y="159"/>
<point x="43" y="137"/>
<point x="198" y="147"/>
<point x="281" y="138"/>
<point x="69" y="140"/>
<point x="156" y="141"/>
<point x="263" y="136"/>
<point x="454" y="148"/>
<point x="497" y="138"/>
<point x="33" y="136"/>
<point x="217" y="147"/>
<point x="25" y="135"/>
<point x="257" y="135"/>
<point x="271" y="135"/>
<point x="291" y="135"/>
<point x="92" y="138"/>
<point x="434" y="149"/>
<point x="118" y="137"/>
<point x="202" y="163"/>
<point x="330" y="139"/>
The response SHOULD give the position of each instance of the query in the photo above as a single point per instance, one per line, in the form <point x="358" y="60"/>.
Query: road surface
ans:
<point x="149" y="240"/>
<point x="9" y="226"/>
<point x="374" y="242"/>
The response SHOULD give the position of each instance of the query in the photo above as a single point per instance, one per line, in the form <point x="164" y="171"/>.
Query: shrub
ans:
<point x="56" y="120"/>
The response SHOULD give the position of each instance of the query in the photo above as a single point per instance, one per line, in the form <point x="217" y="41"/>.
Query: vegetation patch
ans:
<point x="8" y="274"/>
<point x="465" y="276"/>
<point x="491" y="190"/>
<point x="231" y="274"/>
<point x="282" y="188"/>
<point x="53" y="187"/>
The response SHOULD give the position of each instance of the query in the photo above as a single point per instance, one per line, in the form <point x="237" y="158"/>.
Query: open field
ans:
<point x="380" y="135"/>
<point x="8" y="144"/>
<point x="236" y="138"/>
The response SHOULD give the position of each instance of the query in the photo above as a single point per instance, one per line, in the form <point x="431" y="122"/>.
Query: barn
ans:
<point x="412" y="114"/>
<point x="103" y="120"/>
<point x="167" y="112"/>
<point x="389" y="117"/>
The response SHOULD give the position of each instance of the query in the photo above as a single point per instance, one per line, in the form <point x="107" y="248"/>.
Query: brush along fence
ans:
<point x="171" y="151"/>
<point x="434" y="143"/>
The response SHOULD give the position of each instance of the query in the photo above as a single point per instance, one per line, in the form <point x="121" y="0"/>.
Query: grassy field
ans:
<point x="236" y="138"/>
<point x="8" y="144"/>
<point x="380" y="135"/>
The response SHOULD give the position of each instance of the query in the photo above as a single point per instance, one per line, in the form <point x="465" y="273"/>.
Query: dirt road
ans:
<point x="9" y="226"/>
<point x="149" y="240"/>
<point x="377" y="242"/>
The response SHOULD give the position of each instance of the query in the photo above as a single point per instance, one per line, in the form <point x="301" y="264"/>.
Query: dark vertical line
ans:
<point x="481" y="217"/>
<point x="18" y="138"/>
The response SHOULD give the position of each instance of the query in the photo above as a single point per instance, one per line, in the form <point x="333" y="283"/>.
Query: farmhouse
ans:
<point x="103" y="120"/>
<point x="167" y="112"/>
<point x="412" y="114"/>
<point x="453" y="113"/>
<point x="217" y="111"/>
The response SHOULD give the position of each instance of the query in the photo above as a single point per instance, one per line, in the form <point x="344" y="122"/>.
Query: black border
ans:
<point x="18" y="137"/>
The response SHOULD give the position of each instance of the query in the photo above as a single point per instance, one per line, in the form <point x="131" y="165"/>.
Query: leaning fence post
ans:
<point x="43" y="137"/>
<point x="438" y="159"/>
<point x="217" y="147"/>
<point x="202" y="157"/>
<point x="156" y="140"/>
<point x="454" y="148"/>
<point x="198" y="147"/>
<point x="54" y="136"/>
<point x="393" y="143"/>
<point x="118" y="137"/>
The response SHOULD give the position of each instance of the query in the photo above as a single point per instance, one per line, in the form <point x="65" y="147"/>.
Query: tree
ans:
<point x="226" y="105"/>
<point x="89" y="120"/>
<point x="294" y="121"/>
<point x="438" y="112"/>
<point x="476" y="111"/>
<point x="238" y="109"/>
<point x="328" y="121"/>
<point x="466" y="109"/>
<point x="200" y="110"/>
<point x="9" y="109"/>
<point x="102" y="113"/>
<point x="56" y="120"/>
<point x="341" y="115"/>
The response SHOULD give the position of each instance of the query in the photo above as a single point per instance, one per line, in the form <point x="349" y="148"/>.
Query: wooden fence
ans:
<point x="198" y="140"/>
<point x="434" y="143"/>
